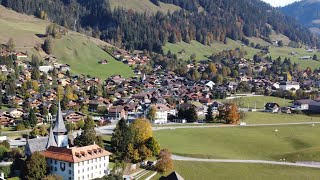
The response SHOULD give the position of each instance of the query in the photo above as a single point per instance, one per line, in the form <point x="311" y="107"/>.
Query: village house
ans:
<point x="272" y="107"/>
<point x="117" y="113"/>
<point x="162" y="112"/>
<point x="72" y="116"/>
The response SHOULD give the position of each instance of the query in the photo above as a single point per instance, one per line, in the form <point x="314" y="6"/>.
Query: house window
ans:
<point x="69" y="178"/>
<point x="79" y="178"/>
<point x="69" y="164"/>
<point x="55" y="168"/>
<point x="79" y="171"/>
<point x="69" y="171"/>
<point x="55" y="161"/>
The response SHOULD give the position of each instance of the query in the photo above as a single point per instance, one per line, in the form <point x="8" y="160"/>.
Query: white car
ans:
<point x="243" y="124"/>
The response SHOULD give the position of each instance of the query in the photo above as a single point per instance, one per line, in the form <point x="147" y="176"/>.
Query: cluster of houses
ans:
<point x="133" y="97"/>
<point x="126" y="57"/>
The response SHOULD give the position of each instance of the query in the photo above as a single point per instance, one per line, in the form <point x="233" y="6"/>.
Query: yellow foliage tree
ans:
<point x="142" y="130"/>
<point x="289" y="77"/>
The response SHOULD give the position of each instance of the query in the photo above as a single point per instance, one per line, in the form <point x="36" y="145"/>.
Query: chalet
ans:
<point x="272" y="107"/>
<point x="72" y="116"/>
<point x="117" y="112"/>
<point x="21" y="55"/>
<point x="5" y="119"/>
<point x="103" y="62"/>
<point x="15" y="112"/>
<point x="305" y="57"/>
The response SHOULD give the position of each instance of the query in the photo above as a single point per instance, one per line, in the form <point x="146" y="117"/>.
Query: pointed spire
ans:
<point x="59" y="126"/>
<point x="51" y="140"/>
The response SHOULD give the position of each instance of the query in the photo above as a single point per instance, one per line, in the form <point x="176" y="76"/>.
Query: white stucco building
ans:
<point x="77" y="163"/>
<point x="289" y="85"/>
<point x="162" y="112"/>
<point x="71" y="163"/>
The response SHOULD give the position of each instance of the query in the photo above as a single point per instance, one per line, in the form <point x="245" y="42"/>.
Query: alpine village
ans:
<point x="159" y="89"/>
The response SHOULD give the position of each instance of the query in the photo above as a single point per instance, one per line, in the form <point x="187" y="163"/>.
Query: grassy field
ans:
<point x="143" y="6"/>
<point x="271" y="118"/>
<point x="21" y="28"/>
<point x="83" y="57"/>
<point x="233" y="171"/>
<point x="283" y="52"/>
<point x="242" y="142"/>
<point x="259" y="101"/>
<point x="202" y="52"/>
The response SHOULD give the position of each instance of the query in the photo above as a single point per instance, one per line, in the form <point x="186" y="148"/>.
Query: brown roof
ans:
<point x="75" y="154"/>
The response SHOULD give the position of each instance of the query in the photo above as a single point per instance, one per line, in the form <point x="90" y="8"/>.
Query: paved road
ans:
<point x="181" y="158"/>
<point x="226" y="125"/>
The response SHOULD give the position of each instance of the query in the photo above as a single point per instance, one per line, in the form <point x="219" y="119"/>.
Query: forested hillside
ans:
<point x="205" y="21"/>
<point x="306" y="12"/>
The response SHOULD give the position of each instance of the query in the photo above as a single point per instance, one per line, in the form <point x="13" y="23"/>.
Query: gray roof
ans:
<point x="37" y="144"/>
<point x="59" y="126"/>
<point x="51" y="141"/>
<point x="173" y="176"/>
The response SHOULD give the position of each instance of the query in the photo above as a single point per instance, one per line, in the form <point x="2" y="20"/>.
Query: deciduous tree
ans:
<point x="165" y="163"/>
<point x="36" y="167"/>
<point x="142" y="130"/>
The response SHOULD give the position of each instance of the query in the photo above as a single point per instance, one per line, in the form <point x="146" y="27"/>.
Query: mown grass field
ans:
<point x="273" y="118"/>
<point x="258" y="101"/>
<point x="83" y="56"/>
<point x="234" y="171"/>
<point x="202" y="52"/>
<point x="143" y="6"/>
<point x="262" y="143"/>
<point x="22" y="29"/>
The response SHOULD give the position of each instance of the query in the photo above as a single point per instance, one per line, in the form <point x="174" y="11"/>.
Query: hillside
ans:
<point x="83" y="56"/>
<point x="23" y="29"/>
<point x="143" y="6"/>
<point x="306" y="12"/>
<point x="79" y="51"/>
<point x="204" y="21"/>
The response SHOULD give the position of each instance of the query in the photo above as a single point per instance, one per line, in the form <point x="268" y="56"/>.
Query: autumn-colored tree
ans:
<point x="232" y="114"/>
<point x="212" y="68"/>
<point x="152" y="114"/>
<point x="165" y="163"/>
<point x="289" y="77"/>
<point x="142" y="130"/>
<point x="132" y="153"/>
<point x="144" y="152"/>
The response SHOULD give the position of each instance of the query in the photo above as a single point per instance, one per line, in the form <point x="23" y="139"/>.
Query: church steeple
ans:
<point x="51" y="140"/>
<point x="59" y="126"/>
<point x="60" y="131"/>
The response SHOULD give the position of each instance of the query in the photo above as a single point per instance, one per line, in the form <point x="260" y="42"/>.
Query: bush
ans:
<point x="20" y="127"/>
<point x="6" y="170"/>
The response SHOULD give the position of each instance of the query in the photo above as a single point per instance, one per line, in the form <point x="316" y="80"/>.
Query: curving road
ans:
<point x="181" y="158"/>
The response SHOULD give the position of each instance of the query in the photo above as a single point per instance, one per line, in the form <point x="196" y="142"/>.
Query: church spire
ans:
<point x="59" y="126"/>
<point x="51" y="140"/>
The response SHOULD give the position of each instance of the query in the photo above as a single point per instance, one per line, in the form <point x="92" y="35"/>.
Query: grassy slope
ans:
<point x="21" y="28"/>
<point x="233" y="171"/>
<point x="143" y="6"/>
<point x="259" y="101"/>
<point x="83" y="57"/>
<point x="202" y="51"/>
<point x="241" y="142"/>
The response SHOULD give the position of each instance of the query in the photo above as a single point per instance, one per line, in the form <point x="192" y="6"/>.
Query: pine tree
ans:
<point x="88" y="135"/>
<point x="33" y="118"/>
<point x="209" y="115"/>
<point x="121" y="137"/>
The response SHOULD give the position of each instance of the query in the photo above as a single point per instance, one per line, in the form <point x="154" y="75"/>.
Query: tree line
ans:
<point x="132" y="30"/>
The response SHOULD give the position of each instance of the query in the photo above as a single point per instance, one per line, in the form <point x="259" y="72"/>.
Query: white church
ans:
<point x="71" y="163"/>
